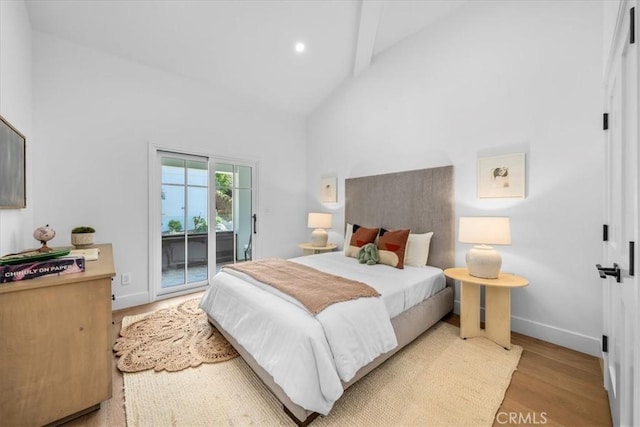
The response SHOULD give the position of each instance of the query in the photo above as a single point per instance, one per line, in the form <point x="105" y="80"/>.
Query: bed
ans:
<point x="292" y="351"/>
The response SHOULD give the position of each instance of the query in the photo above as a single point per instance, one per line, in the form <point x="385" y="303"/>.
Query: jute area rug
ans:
<point x="171" y="339"/>
<point x="438" y="380"/>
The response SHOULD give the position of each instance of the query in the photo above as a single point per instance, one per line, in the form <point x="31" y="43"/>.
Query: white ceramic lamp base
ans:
<point x="484" y="261"/>
<point x="319" y="238"/>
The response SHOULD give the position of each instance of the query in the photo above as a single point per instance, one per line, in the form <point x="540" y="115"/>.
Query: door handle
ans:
<point x="255" y="217"/>
<point x="632" y="258"/>
<point x="610" y="271"/>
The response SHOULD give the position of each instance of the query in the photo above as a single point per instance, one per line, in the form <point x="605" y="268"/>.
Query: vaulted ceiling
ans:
<point x="247" y="46"/>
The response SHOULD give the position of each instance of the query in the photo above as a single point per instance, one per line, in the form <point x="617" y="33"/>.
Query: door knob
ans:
<point x="610" y="271"/>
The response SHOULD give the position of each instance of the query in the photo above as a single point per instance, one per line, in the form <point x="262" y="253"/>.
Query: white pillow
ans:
<point x="418" y="249"/>
<point x="347" y="238"/>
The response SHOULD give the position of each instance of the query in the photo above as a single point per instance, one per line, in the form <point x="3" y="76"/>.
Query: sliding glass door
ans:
<point x="185" y="218"/>
<point x="201" y="218"/>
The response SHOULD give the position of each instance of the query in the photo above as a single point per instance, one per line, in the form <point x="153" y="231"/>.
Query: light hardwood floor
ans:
<point x="553" y="386"/>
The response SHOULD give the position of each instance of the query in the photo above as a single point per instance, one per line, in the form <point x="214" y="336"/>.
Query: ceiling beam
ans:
<point x="369" y="18"/>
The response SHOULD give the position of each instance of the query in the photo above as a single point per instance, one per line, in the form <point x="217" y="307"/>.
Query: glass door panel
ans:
<point x="224" y="214"/>
<point x="197" y="234"/>
<point x="173" y="195"/>
<point x="234" y="220"/>
<point x="244" y="212"/>
<point x="185" y="201"/>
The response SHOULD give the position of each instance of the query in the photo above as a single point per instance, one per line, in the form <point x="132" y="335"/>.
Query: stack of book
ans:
<point x="14" y="268"/>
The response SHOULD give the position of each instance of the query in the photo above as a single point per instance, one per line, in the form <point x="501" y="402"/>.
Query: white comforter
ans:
<point x="307" y="356"/>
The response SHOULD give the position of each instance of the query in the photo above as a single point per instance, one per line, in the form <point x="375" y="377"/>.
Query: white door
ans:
<point x="620" y="288"/>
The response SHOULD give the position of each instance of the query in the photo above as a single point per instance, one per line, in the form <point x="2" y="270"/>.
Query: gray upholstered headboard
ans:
<point x="421" y="200"/>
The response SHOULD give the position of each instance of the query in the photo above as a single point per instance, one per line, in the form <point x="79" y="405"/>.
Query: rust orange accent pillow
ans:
<point x="360" y="237"/>
<point x="392" y="245"/>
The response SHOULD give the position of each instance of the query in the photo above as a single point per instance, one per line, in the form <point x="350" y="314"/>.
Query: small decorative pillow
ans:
<point x="368" y="254"/>
<point x="392" y="245"/>
<point x="360" y="236"/>
<point x="418" y="249"/>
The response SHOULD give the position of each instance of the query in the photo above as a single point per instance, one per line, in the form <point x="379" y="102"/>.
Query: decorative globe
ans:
<point x="43" y="235"/>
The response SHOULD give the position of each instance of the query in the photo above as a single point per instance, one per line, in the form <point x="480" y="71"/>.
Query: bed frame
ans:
<point x="421" y="200"/>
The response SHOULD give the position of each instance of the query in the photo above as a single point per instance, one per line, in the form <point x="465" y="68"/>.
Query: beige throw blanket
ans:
<point x="315" y="289"/>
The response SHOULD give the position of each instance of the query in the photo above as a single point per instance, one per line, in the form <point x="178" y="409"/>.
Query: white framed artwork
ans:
<point x="328" y="191"/>
<point x="501" y="176"/>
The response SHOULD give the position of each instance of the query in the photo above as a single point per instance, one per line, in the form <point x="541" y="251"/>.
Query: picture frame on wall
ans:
<point x="502" y="176"/>
<point x="328" y="190"/>
<point x="13" y="187"/>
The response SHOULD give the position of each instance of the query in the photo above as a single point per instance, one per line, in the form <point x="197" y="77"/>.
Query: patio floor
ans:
<point x="175" y="276"/>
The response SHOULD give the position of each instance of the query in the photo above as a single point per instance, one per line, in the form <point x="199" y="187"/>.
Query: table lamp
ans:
<point x="483" y="260"/>
<point x="320" y="222"/>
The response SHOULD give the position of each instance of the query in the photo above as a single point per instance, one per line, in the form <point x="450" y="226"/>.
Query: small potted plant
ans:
<point x="82" y="236"/>
<point x="175" y="226"/>
<point x="200" y="224"/>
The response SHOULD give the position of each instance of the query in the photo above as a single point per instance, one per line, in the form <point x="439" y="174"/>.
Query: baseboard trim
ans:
<point x="549" y="333"/>
<point x="131" y="300"/>
<point x="141" y="298"/>
<point x="565" y="338"/>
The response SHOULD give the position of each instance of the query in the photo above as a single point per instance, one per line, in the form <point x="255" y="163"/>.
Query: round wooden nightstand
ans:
<point x="497" y="304"/>
<point x="309" y="249"/>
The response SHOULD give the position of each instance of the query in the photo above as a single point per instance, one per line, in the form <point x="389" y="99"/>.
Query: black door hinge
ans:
<point x="605" y="233"/>
<point x="605" y="344"/>
<point x="632" y="25"/>
<point x="605" y="121"/>
<point x="113" y="297"/>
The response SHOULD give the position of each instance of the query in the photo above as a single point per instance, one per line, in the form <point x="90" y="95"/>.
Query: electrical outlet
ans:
<point x="126" y="279"/>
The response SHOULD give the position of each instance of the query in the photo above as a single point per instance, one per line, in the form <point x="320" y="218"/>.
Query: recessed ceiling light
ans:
<point x="300" y="47"/>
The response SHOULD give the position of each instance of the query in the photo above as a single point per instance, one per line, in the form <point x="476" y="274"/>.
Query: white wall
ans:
<point x="95" y="115"/>
<point x="610" y="11"/>
<point x="494" y="78"/>
<point x="16" y="107"/>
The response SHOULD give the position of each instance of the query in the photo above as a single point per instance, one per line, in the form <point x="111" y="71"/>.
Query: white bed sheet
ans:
<point x="400" y="289"/>
<point x="294" y="346"/>
<point x="357" y="331"/>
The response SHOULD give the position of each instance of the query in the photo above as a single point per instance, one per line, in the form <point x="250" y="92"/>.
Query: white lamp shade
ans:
<point x="485" y="230"/>
<point x="319" y="220"/>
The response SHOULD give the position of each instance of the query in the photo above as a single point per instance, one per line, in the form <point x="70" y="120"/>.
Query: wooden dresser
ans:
<point x="55" y="344"/>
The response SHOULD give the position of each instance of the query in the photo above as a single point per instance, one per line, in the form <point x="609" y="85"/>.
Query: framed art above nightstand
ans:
<point x="502" y="176"/>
